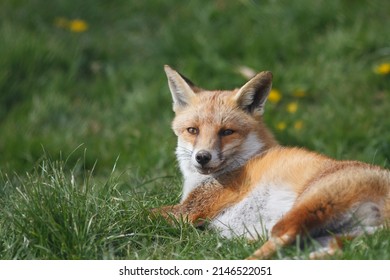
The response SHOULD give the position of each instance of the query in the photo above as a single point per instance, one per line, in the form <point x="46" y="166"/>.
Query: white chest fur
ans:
<point x="256" y="214"/>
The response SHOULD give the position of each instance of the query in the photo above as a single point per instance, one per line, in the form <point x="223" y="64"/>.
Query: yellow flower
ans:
<point x="281" y="126"/>
<point x="382" y="69"/>
<point x="292" y="107"/>
<point x="298" y="125"/>
<point x="78" y="25"/>
<point x="299" y="93"/>
<point x="274" y="96"/>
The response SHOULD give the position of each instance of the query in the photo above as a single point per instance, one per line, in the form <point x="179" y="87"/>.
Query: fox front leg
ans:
<point x="204" y="203"/>
<point x="179" y="212"/>
<point x="169" y="212"/>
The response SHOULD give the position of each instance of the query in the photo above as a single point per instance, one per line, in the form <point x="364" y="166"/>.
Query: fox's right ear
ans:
<point x="181" y="88"/>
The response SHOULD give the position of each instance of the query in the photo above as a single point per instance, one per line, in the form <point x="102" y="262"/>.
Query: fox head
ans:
<point x="218" y="131"/>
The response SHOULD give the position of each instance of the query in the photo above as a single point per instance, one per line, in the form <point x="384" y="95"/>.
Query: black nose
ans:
<point x="203" y="157"/>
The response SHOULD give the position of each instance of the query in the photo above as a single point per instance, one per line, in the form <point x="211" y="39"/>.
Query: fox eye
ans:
<point x="227" y="132"/>
<point x="193" y="130"/>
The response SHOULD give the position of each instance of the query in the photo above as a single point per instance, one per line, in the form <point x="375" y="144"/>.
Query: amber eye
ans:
<point x="227" y="132"/>
<point x="193" y="130"/>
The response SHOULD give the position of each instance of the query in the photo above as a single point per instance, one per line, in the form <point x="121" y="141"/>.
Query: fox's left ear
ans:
<point x="252" y="96"/>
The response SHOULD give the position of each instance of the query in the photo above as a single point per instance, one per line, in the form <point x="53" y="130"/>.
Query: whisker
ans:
<point x="183" y="149"/>
<point x="183" y="153"/>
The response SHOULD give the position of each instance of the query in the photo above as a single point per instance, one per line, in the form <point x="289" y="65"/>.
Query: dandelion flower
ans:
<point x="78" y="25"/>
<point x="274" y="96"/>
<point x="382" y="69"/>
<point x="292" y="107"/>
<point x="298" y="125"/>
<point x="281" y="126"/>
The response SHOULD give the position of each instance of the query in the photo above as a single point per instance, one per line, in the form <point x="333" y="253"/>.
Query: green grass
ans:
<point x="85" y="141"/>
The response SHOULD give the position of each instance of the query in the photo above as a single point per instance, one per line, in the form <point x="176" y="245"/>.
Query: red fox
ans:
<point x="243" y="183"/>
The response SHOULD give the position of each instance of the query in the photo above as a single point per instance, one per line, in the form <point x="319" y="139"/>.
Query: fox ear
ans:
<point x="252" y="96"/>
<point x="181" y="88"/>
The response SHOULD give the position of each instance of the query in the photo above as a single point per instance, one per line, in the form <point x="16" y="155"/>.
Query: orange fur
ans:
<point x="326" y="191"/>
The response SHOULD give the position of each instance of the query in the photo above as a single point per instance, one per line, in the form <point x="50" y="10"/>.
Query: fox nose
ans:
<point x="203" y="157"/>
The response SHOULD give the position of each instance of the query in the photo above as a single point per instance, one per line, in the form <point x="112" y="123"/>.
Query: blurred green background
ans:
<point x="82" y="82"/>
<point x="90" y="72"/>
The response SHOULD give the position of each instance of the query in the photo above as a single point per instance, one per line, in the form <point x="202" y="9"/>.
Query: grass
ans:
<point x="85" y="141"/>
